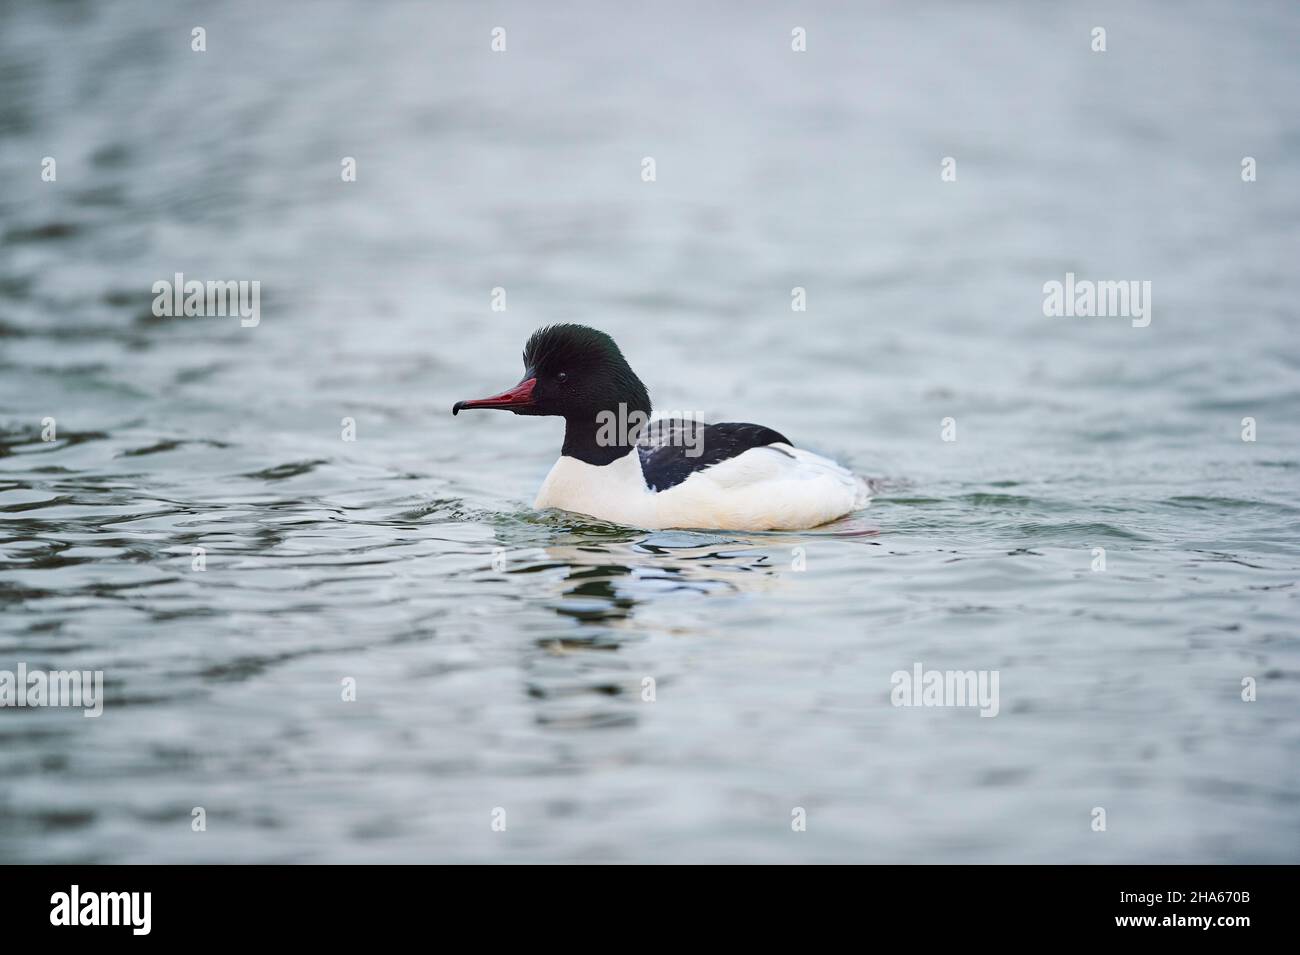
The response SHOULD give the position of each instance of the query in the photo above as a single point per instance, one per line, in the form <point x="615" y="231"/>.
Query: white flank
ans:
<point x="772" y="488"/>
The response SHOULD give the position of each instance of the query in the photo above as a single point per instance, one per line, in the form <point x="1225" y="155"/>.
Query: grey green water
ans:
<point x="499" y="656"/>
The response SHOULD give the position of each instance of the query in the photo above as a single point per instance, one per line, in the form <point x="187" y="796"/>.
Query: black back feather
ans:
<point x="668" y="448"/>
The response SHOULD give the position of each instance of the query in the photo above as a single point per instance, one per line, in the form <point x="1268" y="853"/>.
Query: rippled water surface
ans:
<point x="499" y="654"/>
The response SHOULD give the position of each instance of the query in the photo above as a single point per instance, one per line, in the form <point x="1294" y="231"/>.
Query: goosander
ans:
<point x="618" y="466"/>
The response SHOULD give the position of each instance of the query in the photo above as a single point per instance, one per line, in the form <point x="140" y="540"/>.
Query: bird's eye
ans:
<point x="561" y="376"/>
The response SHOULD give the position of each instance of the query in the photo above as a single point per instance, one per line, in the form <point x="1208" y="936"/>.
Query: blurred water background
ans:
<point x="521" y="687"/>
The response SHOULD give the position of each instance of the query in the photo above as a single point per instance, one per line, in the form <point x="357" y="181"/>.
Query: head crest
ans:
<point x="555" y="346"/>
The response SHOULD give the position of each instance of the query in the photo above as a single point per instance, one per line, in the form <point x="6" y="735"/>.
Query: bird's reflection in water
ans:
<point x="603" y="589"/>
<point x="607" y="584"/>
<point x="608" y="577"/>
<point x="617" y="592"/>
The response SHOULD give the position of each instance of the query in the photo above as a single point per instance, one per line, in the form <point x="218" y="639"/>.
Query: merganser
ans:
<point x="618" y="466"/>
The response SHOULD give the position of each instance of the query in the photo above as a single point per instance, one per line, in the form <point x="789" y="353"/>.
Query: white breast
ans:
<point x="776" y="487"/>
<point x="613" y="492"/>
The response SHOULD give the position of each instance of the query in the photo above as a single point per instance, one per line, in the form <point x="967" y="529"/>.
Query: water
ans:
<point x="521" y="688"/>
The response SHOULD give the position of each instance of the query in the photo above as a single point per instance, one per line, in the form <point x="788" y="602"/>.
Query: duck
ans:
<point x="619" y="465"/>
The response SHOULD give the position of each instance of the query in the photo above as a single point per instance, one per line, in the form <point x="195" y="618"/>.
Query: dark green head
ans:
<point x="574" y="372"/>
